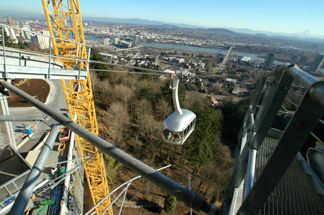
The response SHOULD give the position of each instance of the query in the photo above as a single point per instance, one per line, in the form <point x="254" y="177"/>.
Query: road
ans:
<point x="219" y="97"/>
<point x="55" y="100"/>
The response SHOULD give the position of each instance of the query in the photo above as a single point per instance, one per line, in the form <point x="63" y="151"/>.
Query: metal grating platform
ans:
<point x="295" y="193"/>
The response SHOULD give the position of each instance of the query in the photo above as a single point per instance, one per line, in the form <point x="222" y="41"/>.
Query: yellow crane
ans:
<point x="65" y="22"/>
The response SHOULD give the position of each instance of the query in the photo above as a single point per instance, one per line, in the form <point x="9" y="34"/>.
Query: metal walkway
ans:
<point x="295" y="192"/>
<point x="270" y="176"/>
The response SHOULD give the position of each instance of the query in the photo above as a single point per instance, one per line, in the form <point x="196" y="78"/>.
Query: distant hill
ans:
<point x="19" y="14"/>
<point x="221" y="30"/>
<point x="306" y="35"/>
<point x="137" y="21"/>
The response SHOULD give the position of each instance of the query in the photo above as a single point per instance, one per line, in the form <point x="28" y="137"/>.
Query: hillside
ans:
<point x="131" y="110"/>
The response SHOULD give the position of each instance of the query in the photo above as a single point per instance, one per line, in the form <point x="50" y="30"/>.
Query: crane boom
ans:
<point x="66" y="23"/>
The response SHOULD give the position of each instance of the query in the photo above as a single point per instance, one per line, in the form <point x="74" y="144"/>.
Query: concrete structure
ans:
<point x="41" y="41"/>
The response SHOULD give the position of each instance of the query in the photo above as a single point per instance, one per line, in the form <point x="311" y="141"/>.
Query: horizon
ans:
<point x="251" y="14"/>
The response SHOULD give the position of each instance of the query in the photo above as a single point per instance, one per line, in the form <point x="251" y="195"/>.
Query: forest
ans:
<point x="131" y="109"/>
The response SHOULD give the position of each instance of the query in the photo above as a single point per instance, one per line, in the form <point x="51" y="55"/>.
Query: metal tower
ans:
<point x="66" y="23"/>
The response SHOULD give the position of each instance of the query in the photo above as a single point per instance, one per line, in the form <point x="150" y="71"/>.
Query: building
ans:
<point x="317" y="64"/>
<point x="107" y="41"/>
<point x="41" y="41"/>
<point x="11" y="22"/>
<point x="26" y="33"/>
<point x="269" y="61"/>
<point x="116" y="41"/>
<point x="11" y="34"/>
<point x="245" y="59"/>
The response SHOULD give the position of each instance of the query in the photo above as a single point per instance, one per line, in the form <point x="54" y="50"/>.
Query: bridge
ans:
<point x="222" y="66"/>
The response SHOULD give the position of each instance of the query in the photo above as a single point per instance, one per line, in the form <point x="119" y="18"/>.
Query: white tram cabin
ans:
<point x="178" y="127"/>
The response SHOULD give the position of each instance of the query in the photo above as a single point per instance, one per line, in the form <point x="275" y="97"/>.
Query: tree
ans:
<point x="204" y="145"/>
<point x="112" y="167"/>
<point x="166" y="93"/>
<point x="146" y="93"/>
<point x="8" y="40"/>
<point x="233" y="117"/>
<point x="162" y="109"/>
<point x="170" y="203"/>
<point x="137" y="65"/>
<point x="120" y="119"/>
<point x="95" y="56"/>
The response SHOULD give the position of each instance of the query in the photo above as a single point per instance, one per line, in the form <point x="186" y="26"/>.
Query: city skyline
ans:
<point x="276" y="16"/>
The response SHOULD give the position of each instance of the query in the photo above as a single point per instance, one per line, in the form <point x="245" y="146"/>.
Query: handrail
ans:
<point x="41" y="54"/>
<point x="14" y="179"/>
<point x="77" y="59"/>
<point x="281" y="80"/>
<point x="308" y="81"/>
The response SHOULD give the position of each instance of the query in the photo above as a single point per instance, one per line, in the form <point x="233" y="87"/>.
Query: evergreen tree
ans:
<point x="170" y="203"/>
<point x="166" y="92"/>
<point x="95" y="56"/>
<point x="204" y="145"/>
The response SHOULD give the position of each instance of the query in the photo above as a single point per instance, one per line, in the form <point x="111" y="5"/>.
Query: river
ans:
<point x="253" y="56"/>
<point x="200" y="49"/>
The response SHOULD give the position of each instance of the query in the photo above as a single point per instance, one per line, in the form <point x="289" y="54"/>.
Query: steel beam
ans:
<point x="20" y="118"/>
<point x="295" y="135"/>
<point x="191" y="199"/>
<point x="30" y="183"/>
<point x="273" y="98"/>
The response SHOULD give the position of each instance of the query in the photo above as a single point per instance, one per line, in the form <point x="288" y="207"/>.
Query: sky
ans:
<point x="286" y="16"/>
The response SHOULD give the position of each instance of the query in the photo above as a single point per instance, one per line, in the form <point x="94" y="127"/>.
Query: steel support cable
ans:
<point x="124" y="66"/>
<point x="190" y="198"/>
<point x="107" y="208"/>
<point x="51" y="164"/>
<point x="128" y="72"/>
<point x="117" y="188"/>
<point x="62" y="177"/>
<point x="44" y="54"/>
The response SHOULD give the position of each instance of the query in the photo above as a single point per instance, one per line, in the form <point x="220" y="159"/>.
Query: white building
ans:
<point x="11" y="34"/>
<point x="41" y="41"/>
<point x="107" y="41"/>
<point x="26" y="34"/>
<point x="246" y="59"/>
<point x="116" y="41"/>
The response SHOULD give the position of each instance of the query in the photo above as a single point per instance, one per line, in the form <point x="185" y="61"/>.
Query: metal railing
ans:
<point x="271" y="99"/>
<point x="46" y="56"/>
<point x="190" y="198"/>
<point x="11" y="188"/>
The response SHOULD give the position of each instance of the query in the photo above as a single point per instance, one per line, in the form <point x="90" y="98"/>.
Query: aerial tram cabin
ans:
<point x="181" y="123"/>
